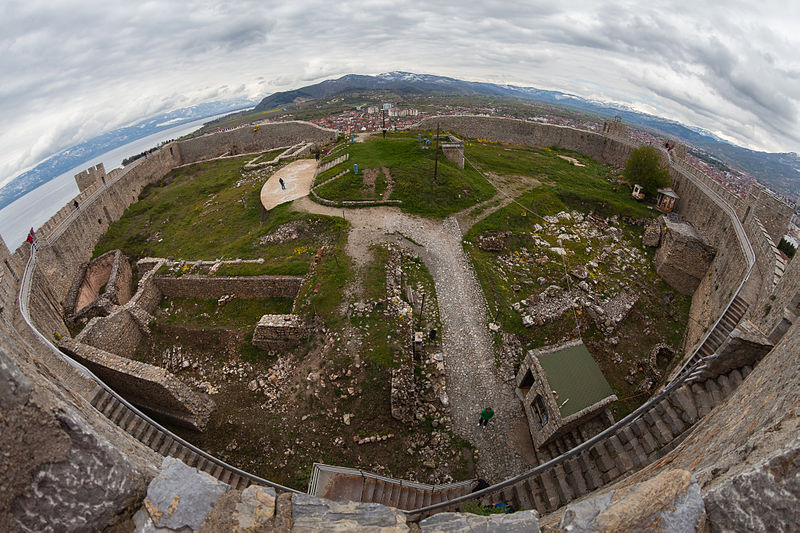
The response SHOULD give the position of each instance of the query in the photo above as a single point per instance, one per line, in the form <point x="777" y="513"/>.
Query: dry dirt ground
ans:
<point x="504" y="447"/>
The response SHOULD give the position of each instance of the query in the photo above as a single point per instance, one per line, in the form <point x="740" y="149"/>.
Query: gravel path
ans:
<point x="504" y="446"/>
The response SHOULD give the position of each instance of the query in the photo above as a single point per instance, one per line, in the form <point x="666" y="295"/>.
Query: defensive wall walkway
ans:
<point x="646" y="434"/>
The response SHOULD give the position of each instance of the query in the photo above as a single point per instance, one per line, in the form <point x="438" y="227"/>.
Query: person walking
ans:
<point x="283" y="186"/>
<point x="486" y="415"/>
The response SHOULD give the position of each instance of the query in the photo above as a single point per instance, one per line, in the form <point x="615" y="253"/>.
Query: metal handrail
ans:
<point x="632" y="417"/>
<point x="684" y="376"/>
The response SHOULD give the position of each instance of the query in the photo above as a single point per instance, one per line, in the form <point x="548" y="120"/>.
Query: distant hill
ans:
<point x="73" y="156"/>
<point x="779" y="171"/>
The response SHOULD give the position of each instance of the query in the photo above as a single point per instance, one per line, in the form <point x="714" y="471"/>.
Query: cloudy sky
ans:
<point x="74" y="69"/>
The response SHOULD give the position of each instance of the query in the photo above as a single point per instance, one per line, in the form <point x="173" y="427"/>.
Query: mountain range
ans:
<point x="778" y="171"/>
<point x="73" y="156"/>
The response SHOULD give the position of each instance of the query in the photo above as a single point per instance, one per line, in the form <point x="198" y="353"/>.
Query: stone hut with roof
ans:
<point x="562" y="390"/>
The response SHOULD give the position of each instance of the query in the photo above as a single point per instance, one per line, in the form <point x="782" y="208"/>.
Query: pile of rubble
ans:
<point x="286" y="232"/>
<point x="551" y="304"/>
<point x="272" y="383"/>
<point x="493" y="241"/>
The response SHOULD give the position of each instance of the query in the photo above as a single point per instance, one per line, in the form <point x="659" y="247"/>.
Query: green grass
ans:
<point x="236" y="313"/>
<point x="412" y="168"/>
<point x="292" y="267"/>
<point x="564" y="186"/>
<point x="210" y="210"/>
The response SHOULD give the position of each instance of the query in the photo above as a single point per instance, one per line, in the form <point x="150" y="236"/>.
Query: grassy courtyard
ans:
<point x="401" y="167"/>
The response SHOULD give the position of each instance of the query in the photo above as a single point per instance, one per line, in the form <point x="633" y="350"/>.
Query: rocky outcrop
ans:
<point x="519" y="522"/>
<point x="763" y="498"/>
<point x="683" y="257"/>
<point x="670" y="501"/>
<point x="62" y="470"/>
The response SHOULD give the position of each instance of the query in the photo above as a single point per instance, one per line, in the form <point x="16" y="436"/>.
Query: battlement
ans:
<point x="78" y="447"/>
<point x="90" y="176"/>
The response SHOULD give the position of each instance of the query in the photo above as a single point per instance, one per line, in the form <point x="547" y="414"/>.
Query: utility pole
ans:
<point x="436" y="160"/>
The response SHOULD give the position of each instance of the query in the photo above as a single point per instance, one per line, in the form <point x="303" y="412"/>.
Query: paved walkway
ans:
<point x="297" y="177"/>
<point x="472" y="379"/>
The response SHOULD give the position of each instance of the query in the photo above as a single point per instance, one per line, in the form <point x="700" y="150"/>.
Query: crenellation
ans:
<point x="729" y="442"/>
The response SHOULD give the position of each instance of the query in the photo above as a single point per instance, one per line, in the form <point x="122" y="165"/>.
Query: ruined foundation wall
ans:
<point x="148" y="387"/>
<point x="249" y="139"/>
<point x="213" y="287"/>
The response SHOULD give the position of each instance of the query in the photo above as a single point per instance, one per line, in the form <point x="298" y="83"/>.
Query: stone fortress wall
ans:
<point x="86" y="434"/>
<point x="73" y="233"/>
<point x="697" y="204"/>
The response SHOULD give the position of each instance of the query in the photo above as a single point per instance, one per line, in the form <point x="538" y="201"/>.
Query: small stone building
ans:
<point x="666" y="200"/>
<point x="99" y="287"/>
<point x="561" y="387"/>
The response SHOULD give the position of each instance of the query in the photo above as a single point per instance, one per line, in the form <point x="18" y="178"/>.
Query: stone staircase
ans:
<point x="166" y="444"/>
<point x="723" y="328"/>
<point x="575" y="437"/>
<point x="350" y="484"/>
<point x="639" y="443"/>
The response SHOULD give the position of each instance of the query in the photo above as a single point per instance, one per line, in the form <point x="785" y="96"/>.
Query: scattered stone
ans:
<point x="494" y="327"/>
<point x="670" y="501"/>
<point x="179" y="497"/>
<point x="518" y="522"/>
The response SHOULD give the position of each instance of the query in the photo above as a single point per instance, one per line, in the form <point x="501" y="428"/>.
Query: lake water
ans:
<point x="36" y="207"/>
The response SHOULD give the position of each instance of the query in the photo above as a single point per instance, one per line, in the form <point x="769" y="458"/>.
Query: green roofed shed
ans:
<point x="575" y="377"/>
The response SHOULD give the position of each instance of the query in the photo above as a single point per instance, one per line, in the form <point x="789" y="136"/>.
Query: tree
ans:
<point x="644" y="167"/>
<point x="787" y="247"/>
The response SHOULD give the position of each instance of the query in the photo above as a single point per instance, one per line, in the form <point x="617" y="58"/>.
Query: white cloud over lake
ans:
<point x="72" y="70"/>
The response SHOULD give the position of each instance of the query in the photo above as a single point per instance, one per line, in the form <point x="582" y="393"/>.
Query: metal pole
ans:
<point x="436" y="161"/>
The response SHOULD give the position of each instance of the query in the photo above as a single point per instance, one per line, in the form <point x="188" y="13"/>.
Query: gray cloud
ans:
<point x="72" y="70"/>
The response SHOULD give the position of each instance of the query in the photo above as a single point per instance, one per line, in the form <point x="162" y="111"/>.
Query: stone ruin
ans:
<point x="279" y="332"/>
<point x="99" y="287"/>
<point x="683" y="257"/>
<point x="453" y="149"/>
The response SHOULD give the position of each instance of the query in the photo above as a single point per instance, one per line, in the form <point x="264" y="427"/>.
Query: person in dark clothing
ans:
<point x="75" y="203"/>
<point x="486" y="415"/>
<point x="282" y="184"/>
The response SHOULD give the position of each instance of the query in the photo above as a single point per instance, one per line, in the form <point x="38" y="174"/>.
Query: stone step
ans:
<point x="368" y="490"/>
<point x="621" y="457"/>
<point x="635" y="449"/>
<point x="565" y="493"/>
<point x="644" y="436"/>
<point x="522" y="496"/>
<point x="682" y="400"/>
<point x="716" y="393"/>
<point x="589" y="470"/>
<point x="658" y="428"/>
<point x="549" y="484"/>
<point x="702" y="399"/>
<point x="575" y="477"/>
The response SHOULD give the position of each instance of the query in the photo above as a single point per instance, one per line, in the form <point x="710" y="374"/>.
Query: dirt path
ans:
<point x="472" y="380"/>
